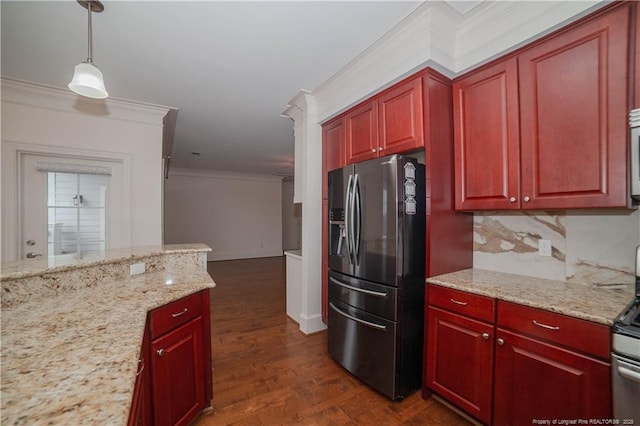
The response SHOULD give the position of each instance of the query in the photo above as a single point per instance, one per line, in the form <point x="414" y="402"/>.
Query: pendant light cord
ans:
<point x="90" y="43"/>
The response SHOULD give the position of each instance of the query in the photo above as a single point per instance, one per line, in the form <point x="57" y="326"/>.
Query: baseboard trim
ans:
<point x="311" y="323"/>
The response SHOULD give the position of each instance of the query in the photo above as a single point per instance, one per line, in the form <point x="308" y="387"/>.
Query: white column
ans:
<point x="308" y="187"/>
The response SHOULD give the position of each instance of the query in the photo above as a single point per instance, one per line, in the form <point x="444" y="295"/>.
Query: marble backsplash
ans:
<point x="588" y="246"/>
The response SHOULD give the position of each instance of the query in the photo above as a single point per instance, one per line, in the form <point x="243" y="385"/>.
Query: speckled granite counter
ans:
<point x="592" y="303"/>
<point x="71" y="357"/>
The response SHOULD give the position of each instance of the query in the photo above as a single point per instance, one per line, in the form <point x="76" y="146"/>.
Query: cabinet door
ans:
<point x="325" y="258"/>
<point x="140" y="414"/>
<point x="333" y="135"/>
<point x="573" y="109"/>
<point x="400" y="112"/>
<point x="334" y="151"/>
<point x="460" y="361"/>
<point x="636" y="77"/>
<point x="178" y="379"/>
<point x="362" y="133"/>
<point x="486" y="145"/>
<point x="535" y="380"/>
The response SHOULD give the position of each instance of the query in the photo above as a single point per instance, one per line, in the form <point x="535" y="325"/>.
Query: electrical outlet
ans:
<point x="137" y="268"/>
<point x="544" y="247"/>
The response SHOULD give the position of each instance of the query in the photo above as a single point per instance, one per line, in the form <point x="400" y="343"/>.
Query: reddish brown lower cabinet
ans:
<point x="538" y="380"/>
<point x="460" y="361"/>
<point x="325" y="259"/>
<point x="508" y="364"/>
<point x="174" y="381"/>
<point x="459" y="349"/>
<point x="140" y="414"/>
<point x="178" y="375"/>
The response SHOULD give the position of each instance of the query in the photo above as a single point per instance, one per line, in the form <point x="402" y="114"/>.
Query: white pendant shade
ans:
<point x="88" y="81"/>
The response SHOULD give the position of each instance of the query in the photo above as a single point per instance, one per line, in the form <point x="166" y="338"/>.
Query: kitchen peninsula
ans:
<point x="72" y="329"/>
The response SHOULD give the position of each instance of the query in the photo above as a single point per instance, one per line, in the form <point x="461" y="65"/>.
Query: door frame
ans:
<point x="11" y="186"/>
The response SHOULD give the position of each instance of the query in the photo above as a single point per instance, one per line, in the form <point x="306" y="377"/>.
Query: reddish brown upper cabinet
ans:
<point x="546" y="128"/>
<point x="362" y="132"/>
<point x="334" y="151"/>
<point x="333" y="137"/>
<point x="390" y="123"/>
<point x="573" y="111"/>
<point x="487" y="140"/>
<point x="400" y="114"/>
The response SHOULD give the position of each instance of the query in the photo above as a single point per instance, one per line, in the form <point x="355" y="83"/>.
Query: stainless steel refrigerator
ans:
<point x="376" y="272"/>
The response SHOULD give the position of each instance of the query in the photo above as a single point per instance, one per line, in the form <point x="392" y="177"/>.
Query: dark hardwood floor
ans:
<point x="266" y="372"/>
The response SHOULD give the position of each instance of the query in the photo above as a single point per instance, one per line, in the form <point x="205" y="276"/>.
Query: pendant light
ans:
<point x="87" y="79"/>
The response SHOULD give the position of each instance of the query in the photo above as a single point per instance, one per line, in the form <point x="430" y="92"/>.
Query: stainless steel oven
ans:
<point x="625" y="359"/>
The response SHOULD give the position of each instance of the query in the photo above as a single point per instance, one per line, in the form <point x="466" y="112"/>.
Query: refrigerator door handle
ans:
<point x="361" y="321"/>
<point x="358" y="217"/>
<point x="347" y="213"/>
<point x="360" y="290"/>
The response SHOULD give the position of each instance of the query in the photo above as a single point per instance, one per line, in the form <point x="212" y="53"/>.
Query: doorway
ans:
<point x="68" y="205"/>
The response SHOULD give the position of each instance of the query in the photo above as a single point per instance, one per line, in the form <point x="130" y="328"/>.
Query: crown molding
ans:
<point x="401" y="51"/>
<point x="436" y="34"/>
<point x="497" y="27"/>
<point x="48" y="97"/>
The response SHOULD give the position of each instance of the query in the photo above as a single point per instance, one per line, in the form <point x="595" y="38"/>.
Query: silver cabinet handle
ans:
<point x="373" y="150"/>
<point x="32" y="255"/>
<point x="140" y="361"/>
<point x="160" y="352"/>
<point x="457" y="302"/>
<point x="179" y="313"/>
<point x="500" y="341"/>
<point x="485" y="336"/>
<point x="361" y="290"/>
<point x="512" y="199"/>
<point x="363" y="322"/>
<point x="526" y="199"/>
<point x="380" y="149"/>
<point x="548" y="327"/>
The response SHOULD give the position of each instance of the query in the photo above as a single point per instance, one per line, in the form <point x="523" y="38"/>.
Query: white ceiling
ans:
<point x="228" y="67"/>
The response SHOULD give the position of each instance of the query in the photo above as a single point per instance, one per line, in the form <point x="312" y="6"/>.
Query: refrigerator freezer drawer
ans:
<point x="364" y="345"/>
<point x="376" y="299"/>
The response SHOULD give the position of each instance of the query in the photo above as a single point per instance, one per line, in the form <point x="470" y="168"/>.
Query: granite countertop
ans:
<point x="600" y="304"/>
<point x="31" y="267"/>
<point x="73" y="358"/>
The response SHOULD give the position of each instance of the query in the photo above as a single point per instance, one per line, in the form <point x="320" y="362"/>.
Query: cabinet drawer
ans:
<point x="469" y="304"/>
<point x="584" y="336"/>
<point x="176" y="313"/>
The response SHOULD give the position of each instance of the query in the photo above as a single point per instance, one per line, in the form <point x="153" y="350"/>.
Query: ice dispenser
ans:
<point x="337" y="232"/>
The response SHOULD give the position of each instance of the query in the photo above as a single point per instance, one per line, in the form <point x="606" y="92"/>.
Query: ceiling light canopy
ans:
<point x="87" y="78"/>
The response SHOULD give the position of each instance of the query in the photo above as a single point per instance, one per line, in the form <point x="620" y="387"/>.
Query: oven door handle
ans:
<point x="628" y="374"/>
<point x="360" y="290"/>
<point x="363" y="322"/>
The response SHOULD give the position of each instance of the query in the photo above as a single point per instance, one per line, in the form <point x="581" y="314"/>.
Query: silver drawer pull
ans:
<point x="179" y="313"/>
<point x="457" y="302"/>
<point x="361" y="321"/>
<point x="548" y="327"/>
<point x="360" y="290"/>
<point x="160" y="352"/>
<point x="140" y="362"/>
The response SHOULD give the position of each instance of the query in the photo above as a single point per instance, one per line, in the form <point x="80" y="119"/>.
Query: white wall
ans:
<point x="238" y="216"/>
<point x="48" y="119"/>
